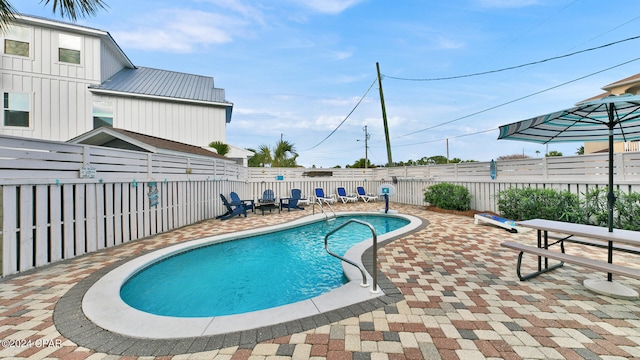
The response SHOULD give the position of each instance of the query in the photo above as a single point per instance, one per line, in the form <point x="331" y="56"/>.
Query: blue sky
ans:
<point x="296" y="68"/>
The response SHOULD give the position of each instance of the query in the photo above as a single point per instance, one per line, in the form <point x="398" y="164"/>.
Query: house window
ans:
<point x="16" y="109"/>
<point x="69" y="47"/>
<point x="16" y="41"/>
<point x="102" y="114"/>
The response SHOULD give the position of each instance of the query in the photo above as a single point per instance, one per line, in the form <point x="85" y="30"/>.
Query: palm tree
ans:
<point x="284" y="155"/>
<point x="72" y="9"/>
<point x="221" y="148"/>
<point x="360" y="164"/>
<point x="261" y="157"/>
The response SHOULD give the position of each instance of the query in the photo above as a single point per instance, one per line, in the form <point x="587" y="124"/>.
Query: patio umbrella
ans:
<point x="613" y="118"/>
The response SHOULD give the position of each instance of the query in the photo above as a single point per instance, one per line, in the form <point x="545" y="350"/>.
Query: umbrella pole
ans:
<point x="610" y="196"/>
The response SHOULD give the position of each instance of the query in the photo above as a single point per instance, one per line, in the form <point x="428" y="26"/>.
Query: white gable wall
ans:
<point x="109" y="61"/>
<point x="188" y="123"/>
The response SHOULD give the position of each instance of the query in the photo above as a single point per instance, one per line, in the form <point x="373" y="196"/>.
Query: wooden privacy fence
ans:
<point x="62" y="200"/>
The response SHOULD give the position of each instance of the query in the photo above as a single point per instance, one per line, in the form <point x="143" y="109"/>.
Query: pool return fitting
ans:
<point x="374" y="288"/>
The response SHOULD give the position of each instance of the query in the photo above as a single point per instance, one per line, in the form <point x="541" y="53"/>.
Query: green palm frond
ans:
<point x="7" y="14"/>
<point x="74" y="9"/>
<point x="71" y="9"/>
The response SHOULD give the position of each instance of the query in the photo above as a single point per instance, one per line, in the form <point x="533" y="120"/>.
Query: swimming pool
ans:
<point x="103" y="305"/>
<point x="255" y="273"/>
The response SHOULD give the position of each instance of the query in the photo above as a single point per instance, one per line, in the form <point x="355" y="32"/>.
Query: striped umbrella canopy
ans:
<point x="588" y="121"/>
<point x="613" y="118"/>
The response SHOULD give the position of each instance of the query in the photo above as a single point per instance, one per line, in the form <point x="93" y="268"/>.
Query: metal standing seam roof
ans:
<point x="164" y="83"/>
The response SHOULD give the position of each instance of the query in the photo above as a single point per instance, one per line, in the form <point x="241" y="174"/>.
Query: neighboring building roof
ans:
<point x="597" y="97"/>
<point x="634" y="79"/>
<point x="125" y="139"/>
<point x="629" y="84"/>
<point x="168" y="85"/>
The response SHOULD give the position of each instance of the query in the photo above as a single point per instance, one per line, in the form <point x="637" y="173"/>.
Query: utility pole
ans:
<point x="384" y="118"/>
<point x="366" y="146"/>
<point x="447" y="150"/>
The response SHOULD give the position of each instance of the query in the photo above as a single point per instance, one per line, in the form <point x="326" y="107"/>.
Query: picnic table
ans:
<point x="613" y="241"/>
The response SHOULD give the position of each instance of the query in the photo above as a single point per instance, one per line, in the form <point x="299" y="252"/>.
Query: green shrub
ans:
<point x="628" y="206"/>
<point x="448" y="196"/>
<point x="530" y="203"/>
<point x="594" y="207"/>
<point x="626" y="211"/>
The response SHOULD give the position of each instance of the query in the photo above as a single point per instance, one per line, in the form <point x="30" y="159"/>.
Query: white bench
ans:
<point x="624" y="240"/>
<point x="568" y="258"/>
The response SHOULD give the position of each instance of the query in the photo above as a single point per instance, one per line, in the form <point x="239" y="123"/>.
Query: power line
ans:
<point x="520" y="98"/>
<point x="345" y="119"/>
<point x="450" y="137"/>
<point x="515" y="67"/>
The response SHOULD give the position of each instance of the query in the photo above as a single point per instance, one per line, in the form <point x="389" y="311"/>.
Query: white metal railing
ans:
<point x="632" y="146"/>
<point x="374" y="235"/>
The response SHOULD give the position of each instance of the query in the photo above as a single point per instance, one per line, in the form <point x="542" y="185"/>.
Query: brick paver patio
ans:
<point x="461" y="300"/>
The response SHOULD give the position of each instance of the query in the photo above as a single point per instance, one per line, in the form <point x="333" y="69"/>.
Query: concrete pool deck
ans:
<point x="457" y="297"/>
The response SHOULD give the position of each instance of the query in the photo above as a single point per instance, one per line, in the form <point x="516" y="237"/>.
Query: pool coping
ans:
<point x="73" y="323"/>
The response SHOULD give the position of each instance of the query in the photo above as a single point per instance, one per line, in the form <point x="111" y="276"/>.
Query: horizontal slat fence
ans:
<point x="49" y="212"/>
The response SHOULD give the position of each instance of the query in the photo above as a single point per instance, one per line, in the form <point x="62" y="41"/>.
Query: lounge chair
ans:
<point x="344" y="197"/>
<point x="364" y="196"/>
<point x="235" y="200"/>
<point x="320" y="197"/>
<point x="232" y="210"/>
<point x="293" y="202"/>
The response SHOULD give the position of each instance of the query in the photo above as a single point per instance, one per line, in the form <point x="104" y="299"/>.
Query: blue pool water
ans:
<point x="250" y="274"/>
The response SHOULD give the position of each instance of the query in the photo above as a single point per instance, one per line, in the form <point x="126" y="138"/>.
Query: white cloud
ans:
<point x="328" y="6"/>
<point x="184" y="31"/>
<point x="342" y="55"/>
<point x="328" y="122"/>
<point x="345" y="103"/>
<point x="247" y="11"/>
<point x="448" y="43"/>
<point x="507" y="3"/>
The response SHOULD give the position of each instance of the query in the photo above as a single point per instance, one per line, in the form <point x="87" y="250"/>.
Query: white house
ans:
<point x="61" y="80"/>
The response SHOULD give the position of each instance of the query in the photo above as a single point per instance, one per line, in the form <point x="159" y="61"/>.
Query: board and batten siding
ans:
<point x="59" y="110"/>
<point x="109" y="62"/>
<point x="43" y="57"/>
<point x="61" y="106"/>
<point x="187" y="123"/>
